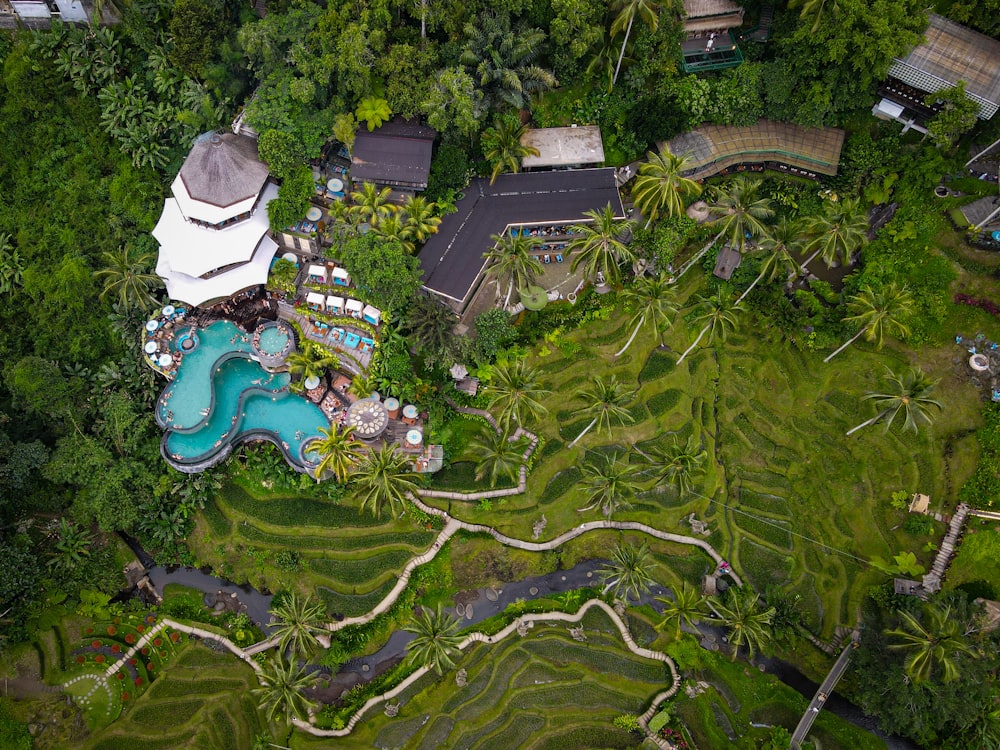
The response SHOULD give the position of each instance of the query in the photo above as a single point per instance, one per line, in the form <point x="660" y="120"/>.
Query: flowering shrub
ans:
<point x="983" y="304"/>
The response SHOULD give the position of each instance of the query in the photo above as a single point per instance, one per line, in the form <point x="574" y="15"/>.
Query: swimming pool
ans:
<point x="273" y="340"/>
<point x="221" y="398"/>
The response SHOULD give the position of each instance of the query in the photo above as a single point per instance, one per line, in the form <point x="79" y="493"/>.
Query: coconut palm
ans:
<point x="604" y="403"/>
<point x="421" y="219"/>
<point x="777" y="248"/>
<point x="280" y="695"/>
<point x="512" y="263"/>
<point x="598" y="245"/>
<point x="431" y="325"/>
<point x="515" y="394"/>
<point x="677" y="463"/>
<point x="363" y="384"/>
<point x="497" y="456"/>
<point x="933" y="645"/>
<point x="297" y="621"/>
<point x="878" y="313"/>
<point x="746" y="619"/>
<point x="383" y="479"/>
<point x="393" y="228"/>
<point x="740" y="211"/>
<point x="627" y="574"/>
<point x="502" y="145"/>
<point x="816" y="9"/>
<point x="653" y="300"/>
<point x="659" y="185"/>
<point x="628" y="10"/>
<point x="373" y="111"/>
<point x="128" y="278"/>
<point x="718" y="312"/>
<point x="310" y="362"/>
<point x="910" y="396"/>
<point x="687" y="606"/>
<point x="436" y="643"/>
<point x="837" y="233"/>
<point x="610" y="484"/>
<point x="339" y="451"/>
<point x="371" y="204"/>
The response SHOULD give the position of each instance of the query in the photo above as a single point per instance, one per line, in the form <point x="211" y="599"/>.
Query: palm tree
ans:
<point x="513" y="263"/>
<point x="502" y="145"/>
<point x="421" y="219"/>
<point x="817" y="9"/>
<point x="910" y="396"/>
<point x="676" y="463"/>
<point x="280" y="693"/>
<point x="605" y="403"/>
<point x="431" y="324"/>
<point x="748" y="622"/>
<point x="627" y="575"/>
<point x="687" y="606"/>
<point x="646" y="10"/>
<point x="719" y="315"/>
<point x="339" y="451"/>
<point x="840" y="230"/>
<point x="502" y="60"/>
<point x="933" y="647"/>
<point x="128" y="278"/>
<point x="659" y="185"/>
<point x="653" y="298"/>
<point x="515" y="394"/>
<point x="310" y="362"/>
<point x="740" y="211"/>
<point x="598" y="245"/>
<point x="392" y="227"/>
<point x="371" y="204"/>
<point x="878" y="313"/>
<point x="383" y="478"/>
<point x="610" y="484"/>
<point x="777" y="247"/>
<point x="299" y="618"/>
<point x="497" y="456"/>
<point x="436" y="643"/>
<point x="373" y="111"/>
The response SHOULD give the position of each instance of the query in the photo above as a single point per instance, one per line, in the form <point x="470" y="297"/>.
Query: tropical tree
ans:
<point x="837" y="233"/>
<point x="677" y="463"/>
<point x="686" y="606"/>
<point x="503" y="61"/>
<point x="598" y="245"/>
<point x="933" y="644"/>
<point x="420" y="216"/>
<point x="383" y="479"/>
<point x="515" y="394"/>
<point x="392" y="228"/>
<point x="746" y="619"/>
<point x="740" y="211"/>
<point x="877" y="313"/>
<point x="310" y="362"/>
<point x="502" y="145"/>
<point x="297" y="620"/>
<point x="646" y="10"/>
<point x="660" y="186"/>
<point x="374" y="111"/>
<point x="339" y="451"/>
<point x="777" y="248"/>
<point x="653" y="300"/>
<point x="12" y="265"/>
<point x="628" y="573"/>
<point x="605" y="403"/>
<point x="71" y="548"/>
<point x="910" y="396"/>
<point x="371" y="204"/>
<point x="345" y="129"/>
<point x="610" y="484"/>
<point x="128" y="278"/>
<point x="816" y="10"/>
<point x="718" y="312"/>
<point x="280" y="695"/>
<point x="436" y="642"/>
<point x="431" y="324"/>
<point x="496" y="455"/>
<point x="512" y="263"/>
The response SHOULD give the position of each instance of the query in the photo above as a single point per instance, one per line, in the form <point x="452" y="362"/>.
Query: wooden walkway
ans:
<point x="932" y="581"/>
<point x="824" y="691"/>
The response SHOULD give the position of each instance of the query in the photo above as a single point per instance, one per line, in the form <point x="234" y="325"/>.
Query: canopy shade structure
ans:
<point x="340" y="276"/>
<point x="193" y="250"/>
<point x="354" y="306"/>
<point x="372" y="314"/>
<point x="334" y="303"/>
<point x="318" y="271"/>
<point x="315" y="298"/>
<point x="196" y="291"/>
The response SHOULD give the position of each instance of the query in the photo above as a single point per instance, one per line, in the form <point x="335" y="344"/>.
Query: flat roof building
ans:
<point x="574" y="146"/>
<point x="397" y="154"/>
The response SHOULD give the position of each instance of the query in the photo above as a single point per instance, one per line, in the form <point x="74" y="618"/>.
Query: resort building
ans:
<point x="213" y="231"/>
<point x="572" y="147"/>
<point x="396" y="155"/>
<point x="708" y="27"/>
<point x="949" y="53"/>
<point x="781" y="146"/>
<point x="38" y="14"/>
<point x="453" y="260"/>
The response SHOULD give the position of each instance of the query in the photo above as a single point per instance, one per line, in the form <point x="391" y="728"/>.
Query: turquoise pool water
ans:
<point x="221" y="397"/>
<point x="273" y="340"/>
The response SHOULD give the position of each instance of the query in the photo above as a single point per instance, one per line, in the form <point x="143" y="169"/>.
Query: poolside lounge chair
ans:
<point x="548" y="258"/>
<point x="559" y="258"/>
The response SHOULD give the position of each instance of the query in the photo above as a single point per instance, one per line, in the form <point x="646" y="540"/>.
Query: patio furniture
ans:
<point x="317" y="274"/>
<point x="354" y="308"/>
<point x="341" y="277"/>
<point x="559" y="259"/>
<point x="316" y="301"/>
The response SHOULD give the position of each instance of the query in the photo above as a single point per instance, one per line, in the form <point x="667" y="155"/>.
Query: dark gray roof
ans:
<point x="397" y="153"/>
<point x="453" y="258"/>
<point x="727" y="262"/>
<point x="223" y="170"/>
<point x="978" y="211"/>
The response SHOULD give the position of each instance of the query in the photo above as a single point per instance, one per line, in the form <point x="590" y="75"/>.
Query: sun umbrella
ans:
<point x="152" y="325"/>
<point x="150" y="347"/>
<point x="534" y="297"/>
<point x="168" y="310"/>
<point x="311" y="382"/>
<point x="165" y="360"/>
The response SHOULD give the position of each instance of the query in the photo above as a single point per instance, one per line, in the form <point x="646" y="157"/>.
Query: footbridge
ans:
<point x="824" y="691"/>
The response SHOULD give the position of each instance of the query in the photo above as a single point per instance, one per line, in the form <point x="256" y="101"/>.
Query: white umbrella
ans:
<point x="150" y="347"/>
<point x="168" y="310"/>
<point x="152" y="325"/>
<point x="458" y="371"/>
<point x="311" y="382"/>
<point x="165" y="360"/>
<point x="314" y="214"/>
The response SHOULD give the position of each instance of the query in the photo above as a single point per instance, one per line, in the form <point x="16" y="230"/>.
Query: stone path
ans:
<point x="110" y="671"/>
